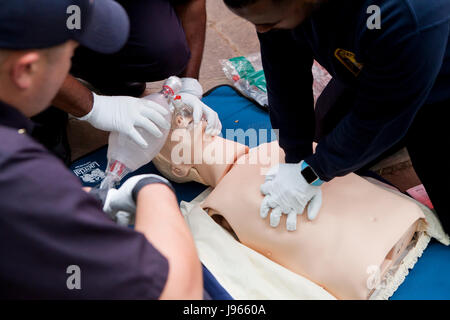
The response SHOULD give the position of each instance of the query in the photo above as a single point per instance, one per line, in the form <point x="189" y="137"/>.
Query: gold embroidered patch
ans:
<point x="347" y="58"/>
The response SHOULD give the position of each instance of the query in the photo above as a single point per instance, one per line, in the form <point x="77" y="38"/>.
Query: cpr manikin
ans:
<point x="360" y="227"/>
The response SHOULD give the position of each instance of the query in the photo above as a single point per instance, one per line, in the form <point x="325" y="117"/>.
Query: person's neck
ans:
<point x="13" y="98"/>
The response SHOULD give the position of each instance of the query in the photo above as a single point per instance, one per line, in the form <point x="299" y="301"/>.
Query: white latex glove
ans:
<point x="191" y="89"/>
<point x="201" y="110"/>
<point x="287" y="192"/>
<point x="123" y="114"/>
<point x="192" y="86"/>
<point x="120" y="204"/>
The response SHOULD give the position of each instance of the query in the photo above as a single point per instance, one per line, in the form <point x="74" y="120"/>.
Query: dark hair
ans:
<point x="237" y="4"/>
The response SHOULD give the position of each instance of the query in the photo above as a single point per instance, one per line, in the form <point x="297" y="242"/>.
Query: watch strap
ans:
<point x="318" y="182"/>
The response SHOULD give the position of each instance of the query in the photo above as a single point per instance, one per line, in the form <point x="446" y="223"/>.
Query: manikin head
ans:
<point x="191" y="155"/>
<point x="29" y="79"/>
<point x="274" y="14"/>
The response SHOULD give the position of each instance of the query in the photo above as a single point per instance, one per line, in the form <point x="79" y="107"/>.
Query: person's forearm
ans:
<point x="193" y="18"/>
<point x="74" y="98"/>
<point x="160" y="220"/>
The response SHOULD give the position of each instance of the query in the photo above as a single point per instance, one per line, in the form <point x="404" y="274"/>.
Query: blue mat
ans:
<point x="429" y="279"/>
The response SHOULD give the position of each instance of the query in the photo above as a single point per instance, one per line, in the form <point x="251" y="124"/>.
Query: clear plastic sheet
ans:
<point x="321" y="79"/>
<point x="247" y="75"/>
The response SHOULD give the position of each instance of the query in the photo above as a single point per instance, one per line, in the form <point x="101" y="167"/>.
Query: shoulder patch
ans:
<point x="347" y="58"/>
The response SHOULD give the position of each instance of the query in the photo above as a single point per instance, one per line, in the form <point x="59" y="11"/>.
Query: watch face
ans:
<point x="309" y="175"/>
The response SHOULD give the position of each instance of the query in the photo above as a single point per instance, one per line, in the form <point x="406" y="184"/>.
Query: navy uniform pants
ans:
<point x="426" y="141"/>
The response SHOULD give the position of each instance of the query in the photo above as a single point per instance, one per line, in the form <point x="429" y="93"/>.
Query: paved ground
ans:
<point x="228" y="36"/>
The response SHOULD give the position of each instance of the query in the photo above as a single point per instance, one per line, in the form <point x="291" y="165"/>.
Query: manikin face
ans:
<point x="280" y="14"/>
<point x="191" y="155"/>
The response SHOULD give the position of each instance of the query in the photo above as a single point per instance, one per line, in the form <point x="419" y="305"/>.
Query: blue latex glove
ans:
<point x="287" y="192"/>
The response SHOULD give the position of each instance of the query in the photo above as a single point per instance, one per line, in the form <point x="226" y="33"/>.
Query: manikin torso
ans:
<point x="360" y="226"/>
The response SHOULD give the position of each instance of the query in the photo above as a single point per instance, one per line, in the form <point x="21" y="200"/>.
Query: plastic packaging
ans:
<point x="420" y="194"/>
<point x="124" y="155"/>
<point x="321" y="79"/>
<point x="247" y="75"/>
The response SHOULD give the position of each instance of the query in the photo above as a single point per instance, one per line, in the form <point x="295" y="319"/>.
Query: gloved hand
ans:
<point x="123" y="114"/>
<point x="192" y="86"/>
<point x="191" y="92"/>
<point x="286" y="191"/>
<point x="120" y="204"/>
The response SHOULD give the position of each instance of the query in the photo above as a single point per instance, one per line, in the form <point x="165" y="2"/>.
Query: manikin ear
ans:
<point x="24" y="69"/>
<point x="181" y="170"/>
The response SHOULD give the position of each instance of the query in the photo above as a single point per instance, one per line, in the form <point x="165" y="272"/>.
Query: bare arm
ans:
<point x="74" y="98"/>
<point x="159" y="219"/>
<point x="193" y="18"/>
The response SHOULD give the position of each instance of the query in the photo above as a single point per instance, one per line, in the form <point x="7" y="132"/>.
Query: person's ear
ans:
<point x="24" y="69"/>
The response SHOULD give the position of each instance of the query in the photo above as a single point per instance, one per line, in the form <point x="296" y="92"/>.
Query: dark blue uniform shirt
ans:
<point x="47" y="223"/>
<point x="395" y="70"/>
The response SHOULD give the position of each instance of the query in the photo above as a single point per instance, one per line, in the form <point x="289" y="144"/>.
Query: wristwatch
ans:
<point x="310" y="175"/>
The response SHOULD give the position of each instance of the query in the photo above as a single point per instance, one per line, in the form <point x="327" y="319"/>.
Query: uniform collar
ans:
<point x="13" y="118"/>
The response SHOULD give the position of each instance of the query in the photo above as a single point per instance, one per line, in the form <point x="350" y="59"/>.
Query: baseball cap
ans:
<point x="100" y="25"/>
